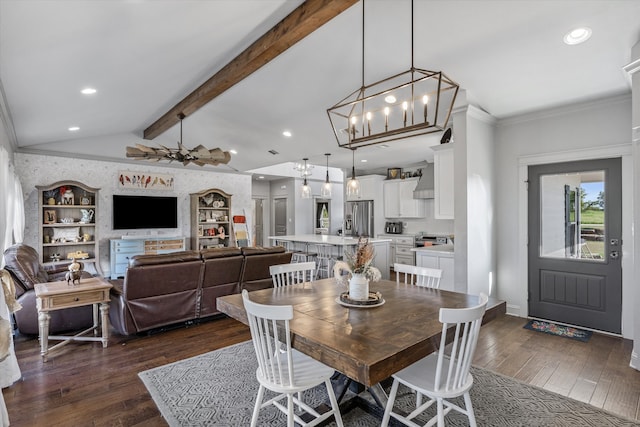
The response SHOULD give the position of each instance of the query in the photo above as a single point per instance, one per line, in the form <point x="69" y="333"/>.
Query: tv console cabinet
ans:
<point x="123" y="249"/>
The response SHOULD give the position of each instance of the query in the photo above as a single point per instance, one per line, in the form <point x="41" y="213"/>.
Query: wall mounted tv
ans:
<point x="133" y="212"/>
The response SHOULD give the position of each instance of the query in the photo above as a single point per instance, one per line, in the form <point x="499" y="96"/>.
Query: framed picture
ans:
<point x="394" y="173"/>
<point x="200" y="231"/>
<point x="50" y="217"/>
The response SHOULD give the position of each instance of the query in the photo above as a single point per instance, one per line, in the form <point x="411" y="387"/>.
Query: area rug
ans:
<point x="559" y="330"/>
<point x="219" y="389"/>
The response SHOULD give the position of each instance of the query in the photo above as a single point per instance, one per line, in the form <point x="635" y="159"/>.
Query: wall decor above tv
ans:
<point x="135" y="212"/>
<point x="145" y="180"/>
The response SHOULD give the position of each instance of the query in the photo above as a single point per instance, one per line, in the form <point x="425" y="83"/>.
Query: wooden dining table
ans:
<point x="368" y="344"/>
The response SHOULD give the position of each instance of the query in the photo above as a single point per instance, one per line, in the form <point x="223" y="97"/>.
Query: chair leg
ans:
<point x="256" y="408"/>
<point x="469" y="408"/>
<point x="334" y="403"/>
<point x="440" y="413"/>
<point x="290" y="419"/>
<point x="390" y="401"/>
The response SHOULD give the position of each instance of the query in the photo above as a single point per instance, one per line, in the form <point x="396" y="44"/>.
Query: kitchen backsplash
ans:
<point x="428" y="224"/>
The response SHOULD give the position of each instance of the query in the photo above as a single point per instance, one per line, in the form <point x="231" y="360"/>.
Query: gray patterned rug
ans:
<point x="219" y="389"/>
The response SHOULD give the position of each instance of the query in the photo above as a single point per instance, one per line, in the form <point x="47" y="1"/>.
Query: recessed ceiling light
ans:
<point x="363" y="160"/>
<point x="287" y="133"/>
<point x="383" y="146"/>
<point x="577" y="35"/>
<point x="74" y="128"/>
<point x="233" y="151"/>
<point x="88" y="91"/>
<point x="261" y="177"/>
<point x="390" y="99"/>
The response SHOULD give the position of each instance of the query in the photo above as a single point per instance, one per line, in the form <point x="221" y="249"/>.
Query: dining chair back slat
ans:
<point x="420" y="276"/>
<point x="288" y="274"/>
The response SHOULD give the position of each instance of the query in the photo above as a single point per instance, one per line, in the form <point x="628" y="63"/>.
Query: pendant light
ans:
<point x="306" y="189"/>
<point x="415" y="102"/>
<point x="326" y="187"/>
<point x="353" y="186"/>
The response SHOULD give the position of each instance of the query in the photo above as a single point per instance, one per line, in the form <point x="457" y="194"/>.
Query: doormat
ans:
<point x="560" y="330"/>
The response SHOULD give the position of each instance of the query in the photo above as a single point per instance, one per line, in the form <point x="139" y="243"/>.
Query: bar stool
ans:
<point x="325" y="260"/>
<point x="297" y="255"/>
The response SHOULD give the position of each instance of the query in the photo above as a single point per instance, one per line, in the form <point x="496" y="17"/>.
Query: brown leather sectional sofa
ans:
<point x="161" y="290"/>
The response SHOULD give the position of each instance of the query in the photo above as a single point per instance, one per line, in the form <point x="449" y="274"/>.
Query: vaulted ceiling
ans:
<point x="145" y="56"/>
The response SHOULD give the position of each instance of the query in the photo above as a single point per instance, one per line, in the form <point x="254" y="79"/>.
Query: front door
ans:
<point x="575" y="229"/>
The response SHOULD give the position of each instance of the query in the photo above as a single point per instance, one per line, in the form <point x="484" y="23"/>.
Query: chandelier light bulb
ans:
<point x="425" y="100"/>
<point x="386" y="118"/>
<point x="405" y="106"/>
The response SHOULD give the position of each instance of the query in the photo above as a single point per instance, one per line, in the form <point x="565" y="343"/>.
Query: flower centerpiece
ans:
<point x="358" y="270"/>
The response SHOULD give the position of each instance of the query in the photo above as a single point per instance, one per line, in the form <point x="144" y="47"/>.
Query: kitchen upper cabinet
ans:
<point x="399" y="201"/>
<point x="370" y="186"/>
<point x="443" y="181"/>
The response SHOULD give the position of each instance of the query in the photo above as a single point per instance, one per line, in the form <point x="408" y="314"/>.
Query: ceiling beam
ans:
<point x="304" y="20"/>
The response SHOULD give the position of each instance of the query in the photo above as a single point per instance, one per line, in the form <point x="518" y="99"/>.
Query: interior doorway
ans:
<point x="575" y="229"/>
<point x="258" y="220"/>
<point x="280" y="216"/>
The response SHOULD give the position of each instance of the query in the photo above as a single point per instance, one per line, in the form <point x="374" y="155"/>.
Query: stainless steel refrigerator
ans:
<point x="358" y="218"/>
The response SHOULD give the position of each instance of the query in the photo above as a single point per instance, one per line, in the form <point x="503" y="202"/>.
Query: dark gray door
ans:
<point x="575" y="229"/>
<point x="280" y="216"/>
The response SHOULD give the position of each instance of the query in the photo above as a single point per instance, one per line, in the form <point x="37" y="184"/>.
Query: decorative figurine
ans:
<point x="67" y="197"/>
<point x="74" y="273"/>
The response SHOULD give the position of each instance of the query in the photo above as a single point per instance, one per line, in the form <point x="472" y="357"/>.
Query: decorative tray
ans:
<point x="375" y="300"/>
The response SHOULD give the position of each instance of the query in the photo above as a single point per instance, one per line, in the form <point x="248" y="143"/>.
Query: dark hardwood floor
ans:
<point x="83" y="384"/>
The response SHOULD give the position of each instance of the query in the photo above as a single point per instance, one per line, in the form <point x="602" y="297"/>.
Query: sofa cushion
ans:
<point x="182" y="256"/>
<point x="212" y="253"/>
<point x="258" y="250"/>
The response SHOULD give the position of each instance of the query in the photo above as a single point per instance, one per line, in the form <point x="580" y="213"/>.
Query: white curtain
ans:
<point x="11" y="205"/>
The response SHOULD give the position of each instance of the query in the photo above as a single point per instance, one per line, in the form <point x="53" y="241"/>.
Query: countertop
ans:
<point x="435" y="250"/>
<point x="323" y="238"/>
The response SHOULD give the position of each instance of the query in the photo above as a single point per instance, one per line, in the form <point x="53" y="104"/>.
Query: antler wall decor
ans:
<point x="200" y="155"/>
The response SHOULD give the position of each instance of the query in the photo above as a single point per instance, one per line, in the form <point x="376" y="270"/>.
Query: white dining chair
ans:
<point x="420" y="276"/>
<point x="326" y="260"/>
<point x="283" y="369"/>
<point x="443" y="374"/>
<point x="288" y="274"/>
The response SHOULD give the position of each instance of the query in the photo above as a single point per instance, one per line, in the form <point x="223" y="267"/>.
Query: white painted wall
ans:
<point x="634" y="72"/>
<point x="474" y="224"/>
<point x="590" y="130"/>
<point x="42" y="170"/>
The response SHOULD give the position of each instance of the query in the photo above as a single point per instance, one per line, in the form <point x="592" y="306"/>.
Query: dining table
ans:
<point x="367" y="344"/>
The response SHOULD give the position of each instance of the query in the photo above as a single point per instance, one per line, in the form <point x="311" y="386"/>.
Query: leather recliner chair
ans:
<point x="23" y="263"/>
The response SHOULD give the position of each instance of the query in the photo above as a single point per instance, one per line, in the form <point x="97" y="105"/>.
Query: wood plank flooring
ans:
<point x="83" y="384"/>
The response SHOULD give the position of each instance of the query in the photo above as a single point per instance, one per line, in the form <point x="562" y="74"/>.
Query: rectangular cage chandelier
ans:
<point x="411" y="103"/>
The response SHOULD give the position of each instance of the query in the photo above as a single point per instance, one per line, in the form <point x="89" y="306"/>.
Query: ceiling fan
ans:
<point x="199" y="155"/>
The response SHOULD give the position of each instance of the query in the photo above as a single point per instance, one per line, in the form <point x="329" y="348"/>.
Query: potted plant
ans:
<point x="359" y="269"/>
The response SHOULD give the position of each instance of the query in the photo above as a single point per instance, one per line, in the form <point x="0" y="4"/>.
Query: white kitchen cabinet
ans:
<point x="370" y="186"/>
<point x="443" y="181"/>
<point x="438" y="259"/>
<point x="399" y="201"/>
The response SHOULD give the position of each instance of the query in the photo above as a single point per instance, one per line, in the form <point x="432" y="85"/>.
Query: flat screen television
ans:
<point x="134" y="212"/>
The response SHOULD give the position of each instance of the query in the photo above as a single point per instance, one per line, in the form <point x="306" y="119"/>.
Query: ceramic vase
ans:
<point x="358" y="287"/>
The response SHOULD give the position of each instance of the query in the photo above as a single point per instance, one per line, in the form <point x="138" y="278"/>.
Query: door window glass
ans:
<point x="572" y="215"/>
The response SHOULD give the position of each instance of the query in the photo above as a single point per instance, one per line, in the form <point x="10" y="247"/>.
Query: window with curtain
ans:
<point x="11" y="204"/>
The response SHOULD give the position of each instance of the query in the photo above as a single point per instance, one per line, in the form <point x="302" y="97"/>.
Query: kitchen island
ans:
<point x="307" y="242"/>
<point x="438" y="256"/>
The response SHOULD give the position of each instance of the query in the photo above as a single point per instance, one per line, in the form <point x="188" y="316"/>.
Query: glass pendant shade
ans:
<point x="353" y="185"/>
<point x="306" y="190"/>
<point x="325" y="192"/>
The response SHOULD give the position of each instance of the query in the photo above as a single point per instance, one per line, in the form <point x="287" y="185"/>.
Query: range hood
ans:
<point x="424" y="188"/>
